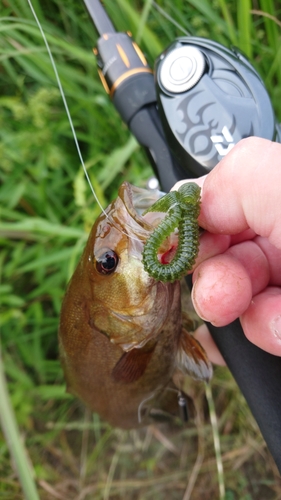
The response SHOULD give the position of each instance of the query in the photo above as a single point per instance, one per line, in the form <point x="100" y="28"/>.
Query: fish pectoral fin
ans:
<point x="132" y="365"/>
<point x="192" y="358"/>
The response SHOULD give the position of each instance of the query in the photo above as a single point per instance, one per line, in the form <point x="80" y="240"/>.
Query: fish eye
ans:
<point x="107" y="262"/>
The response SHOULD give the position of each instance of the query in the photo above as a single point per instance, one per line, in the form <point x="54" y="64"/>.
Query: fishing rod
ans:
<point x="187" y="114"/>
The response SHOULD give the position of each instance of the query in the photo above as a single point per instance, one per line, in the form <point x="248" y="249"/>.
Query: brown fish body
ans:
<point x="121" y="336"/>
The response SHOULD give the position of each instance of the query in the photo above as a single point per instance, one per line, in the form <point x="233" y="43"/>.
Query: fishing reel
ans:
<point x="201" y="100"/>
<point x="209" y="98"/>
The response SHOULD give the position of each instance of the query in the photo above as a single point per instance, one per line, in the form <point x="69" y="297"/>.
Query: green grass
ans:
<point x="46" y="211"/>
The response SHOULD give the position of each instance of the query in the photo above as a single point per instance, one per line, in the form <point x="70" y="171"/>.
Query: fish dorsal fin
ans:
<point x="192" y="359"/>
<point x="132" y="365"/>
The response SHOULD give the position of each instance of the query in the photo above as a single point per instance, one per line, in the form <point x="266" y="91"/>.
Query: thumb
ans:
<point x="243" y="191"/>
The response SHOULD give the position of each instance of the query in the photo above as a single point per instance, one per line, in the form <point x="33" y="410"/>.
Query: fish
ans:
<point x="122" y="335"/>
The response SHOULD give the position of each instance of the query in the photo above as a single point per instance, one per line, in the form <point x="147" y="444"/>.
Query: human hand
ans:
<point x="238" y="269"/>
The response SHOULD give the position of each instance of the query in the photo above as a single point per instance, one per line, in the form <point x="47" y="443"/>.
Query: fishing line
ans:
<point x="71" y="123"/>
<point x="65" y="104"/>
<point x="169" y="18"/>
<point x="142" y="403"/>
<point x="164" y="14"/>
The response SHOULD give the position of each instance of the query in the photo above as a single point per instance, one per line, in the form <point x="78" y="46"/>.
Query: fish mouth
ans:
<point x="142" y="198"/>
<point x="136" y="201"/>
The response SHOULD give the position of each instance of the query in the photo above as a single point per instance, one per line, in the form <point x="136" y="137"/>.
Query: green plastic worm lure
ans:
<point x="182" y="207"/>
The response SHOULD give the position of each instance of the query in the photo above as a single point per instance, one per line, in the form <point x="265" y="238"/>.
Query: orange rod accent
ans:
<point x="140" y="54"/>
<point x="103" y="81"/>
<point x="129" y="73"/>
<point x="123" y="55"/>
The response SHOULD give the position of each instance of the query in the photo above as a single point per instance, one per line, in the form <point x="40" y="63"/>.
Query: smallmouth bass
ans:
<point x="121" y="336"/>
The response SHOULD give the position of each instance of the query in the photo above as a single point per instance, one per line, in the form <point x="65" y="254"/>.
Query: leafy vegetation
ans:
<point x="46" y="211"/>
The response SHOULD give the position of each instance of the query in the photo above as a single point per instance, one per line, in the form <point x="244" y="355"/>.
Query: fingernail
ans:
<point x="275" y="327"/>
<point x="194" y="301"/>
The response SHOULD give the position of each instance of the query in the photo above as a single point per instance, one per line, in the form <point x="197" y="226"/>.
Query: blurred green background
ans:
<point x="46" y="211"/>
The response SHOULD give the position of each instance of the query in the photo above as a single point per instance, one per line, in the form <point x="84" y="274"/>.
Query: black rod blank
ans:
<point x="99" y="17"/>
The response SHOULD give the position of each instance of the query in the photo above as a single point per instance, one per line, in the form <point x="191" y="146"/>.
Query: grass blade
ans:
<point x="216" y="438"/>
<point x="143" y="20"/>
<point x="14" y="440"/>
<point x="244" y="26"/>
<point x="229" y="22"/>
